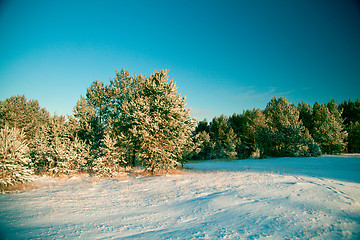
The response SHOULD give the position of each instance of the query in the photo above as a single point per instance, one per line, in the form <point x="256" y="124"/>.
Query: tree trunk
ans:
<point x="133" y="158"/>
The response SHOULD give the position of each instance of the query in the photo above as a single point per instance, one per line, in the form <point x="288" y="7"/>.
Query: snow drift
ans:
<point x="289" y="198"/>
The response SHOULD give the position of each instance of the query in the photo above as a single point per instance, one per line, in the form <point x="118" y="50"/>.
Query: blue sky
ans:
<point x="226" y="56"/>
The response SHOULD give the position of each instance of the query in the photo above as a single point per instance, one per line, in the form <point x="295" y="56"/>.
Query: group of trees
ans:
<point x="282" y="129"/>
<point x="142" y="120"/>
<point x="134" y="120"/>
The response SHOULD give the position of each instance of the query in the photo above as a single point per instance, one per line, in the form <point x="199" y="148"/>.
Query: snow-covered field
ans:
<point x="288" y="198"/>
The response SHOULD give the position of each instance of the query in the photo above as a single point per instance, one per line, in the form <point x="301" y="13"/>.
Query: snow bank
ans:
<point x="240" y="204"/>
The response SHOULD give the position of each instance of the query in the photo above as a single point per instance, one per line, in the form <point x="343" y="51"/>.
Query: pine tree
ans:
<point x="91" y="126"/>
<point x="351" y="116"/>
<point x="125" y="91"/>
<point x="15" y="165"/>
<point x="202" y="126"/>
<point x="350" y="111"/>
<point x="287" y="131"/>
<point x="20" y="113"/>
<point x="158" y="122"/>
<point x="306" y="115"/>
<point x="112" y="161"/>
<point x="238" y="123"/>
<point x="58" y="150"/>
<point x="328" y="129"/>
<point x="204" y="147"/>
<point x="354" y="137"/>
<point x="224" y="138"/>
<point x="255" y="136"/>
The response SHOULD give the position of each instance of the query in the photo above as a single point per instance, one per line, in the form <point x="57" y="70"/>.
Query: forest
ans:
<point x="139" y="120"/>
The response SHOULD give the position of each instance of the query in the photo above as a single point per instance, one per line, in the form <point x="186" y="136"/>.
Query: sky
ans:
<point x="225" y="56"/>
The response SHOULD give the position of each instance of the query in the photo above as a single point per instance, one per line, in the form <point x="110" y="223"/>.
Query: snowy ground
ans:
<point x="289" y="198"/>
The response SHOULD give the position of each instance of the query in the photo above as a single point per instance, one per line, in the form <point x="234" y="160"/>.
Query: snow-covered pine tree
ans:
<point x="112" y="159"/>
<point x="58" y="150"/>
<point x="159" y="124"/>
<point x="15" y="165"/>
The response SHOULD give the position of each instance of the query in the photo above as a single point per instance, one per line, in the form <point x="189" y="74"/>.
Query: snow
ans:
<point x="287" y="198"/>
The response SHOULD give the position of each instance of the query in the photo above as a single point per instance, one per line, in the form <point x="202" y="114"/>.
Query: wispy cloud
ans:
<point x="252" y="93"/>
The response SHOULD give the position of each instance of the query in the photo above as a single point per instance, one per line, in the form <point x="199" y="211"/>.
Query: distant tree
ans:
<point x="354" y="137"/>
<point x="202" y="126"/>
<point x="15" y="164"/>
<point x="328" y="130"/>
<point x="306" y="115"/>
<point x="204" y="147"/>
<point x="286" y="131"/>
<point x="224" y="138"/>
<point x="256" y="137"/>
<point x="238" y="122"/>
<point x="351" y="116"/>
<point x="97" y="97"/>
<point x="335" y="111"/>
<point x="350" y="111"/>
<point x="20" y="113"/>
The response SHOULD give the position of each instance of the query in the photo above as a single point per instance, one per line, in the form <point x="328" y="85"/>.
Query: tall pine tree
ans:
<point x="158" y="124"/>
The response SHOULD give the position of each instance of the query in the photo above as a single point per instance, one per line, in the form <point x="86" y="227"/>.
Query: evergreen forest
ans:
<point x="138" y="120"/>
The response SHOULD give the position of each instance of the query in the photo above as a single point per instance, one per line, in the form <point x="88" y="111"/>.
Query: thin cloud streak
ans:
<point x="251" y="93"/>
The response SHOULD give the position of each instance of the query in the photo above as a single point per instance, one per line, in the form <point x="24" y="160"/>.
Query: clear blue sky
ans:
<point x="226" y="56"/>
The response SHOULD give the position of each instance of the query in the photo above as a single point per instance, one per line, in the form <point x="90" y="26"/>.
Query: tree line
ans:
<point x="282" y="130"/>
<point x="143" y="120"/>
